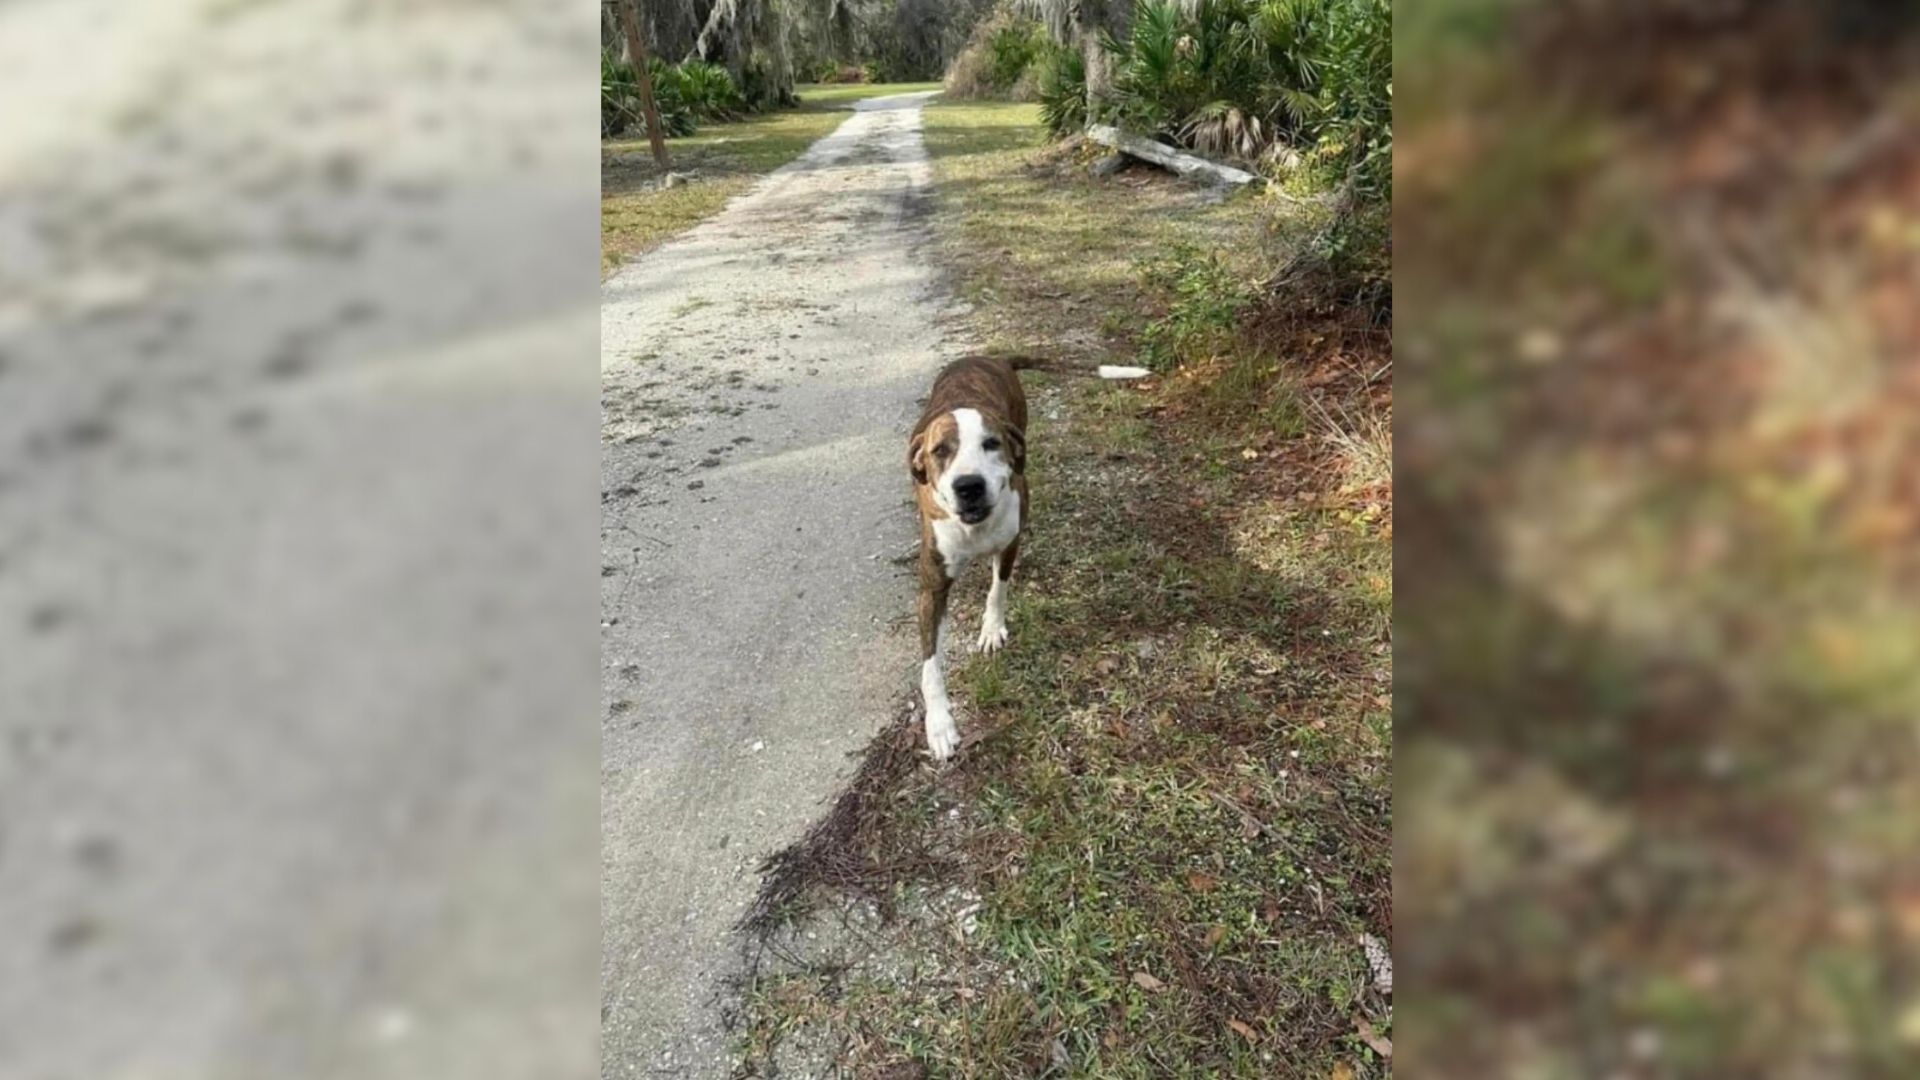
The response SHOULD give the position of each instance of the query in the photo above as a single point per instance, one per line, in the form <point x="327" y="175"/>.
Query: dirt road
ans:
<point x="759" y="376"/>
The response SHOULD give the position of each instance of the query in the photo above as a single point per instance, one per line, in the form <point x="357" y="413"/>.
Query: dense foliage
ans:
<point x="1301" y="89"/>
<point x="881" y="40"/>
<point x="1063" y="89"/>
<point x="686" y="94"/>
<point x="1255" y="79"/>
<point x="1000" y="57"/>
<point x="766" y="45"/>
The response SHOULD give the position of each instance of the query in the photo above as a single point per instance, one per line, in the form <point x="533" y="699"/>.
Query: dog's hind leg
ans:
<point x="993" y="626"/>
<point x="943" y="736"/>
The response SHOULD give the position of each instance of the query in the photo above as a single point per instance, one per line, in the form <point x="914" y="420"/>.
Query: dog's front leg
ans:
<point x="943" y="737"/>
<point x="993" y="625"/>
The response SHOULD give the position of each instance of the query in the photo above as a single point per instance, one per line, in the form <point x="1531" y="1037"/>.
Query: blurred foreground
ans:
<point x="1659" y="651"/>
<point x="297" y="730"/>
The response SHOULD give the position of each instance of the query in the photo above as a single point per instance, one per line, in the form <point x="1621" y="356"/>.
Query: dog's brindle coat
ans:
<point x="968" y="456"/>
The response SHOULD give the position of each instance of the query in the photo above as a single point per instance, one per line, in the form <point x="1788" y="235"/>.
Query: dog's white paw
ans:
<point x="993" y="636"/>
<point x="943" y="737"/>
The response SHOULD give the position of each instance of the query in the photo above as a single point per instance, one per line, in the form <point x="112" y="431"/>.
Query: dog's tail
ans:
<point x="1055" y="367"/>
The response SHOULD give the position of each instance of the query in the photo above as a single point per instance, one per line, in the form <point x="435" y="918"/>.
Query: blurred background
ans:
<point x="298" y="463"/>
<point x="298" y="743"/>
<point x="1658" y="646"/>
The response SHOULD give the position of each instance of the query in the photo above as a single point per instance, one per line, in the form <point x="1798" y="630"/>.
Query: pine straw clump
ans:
<point x="854" y="851"/>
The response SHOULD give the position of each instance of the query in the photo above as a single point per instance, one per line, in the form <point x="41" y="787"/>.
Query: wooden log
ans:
<point x="1179" y="161"/>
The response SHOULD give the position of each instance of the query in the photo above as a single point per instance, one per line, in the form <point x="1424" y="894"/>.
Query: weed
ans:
<point x="1207" y="297"/>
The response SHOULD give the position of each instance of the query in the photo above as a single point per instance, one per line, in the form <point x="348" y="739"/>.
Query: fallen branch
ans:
<point x="1179" y="161"/>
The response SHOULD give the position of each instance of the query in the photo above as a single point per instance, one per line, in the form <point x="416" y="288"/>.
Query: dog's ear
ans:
<point x="1017" y="442"/>
<point x="917" y="457"/>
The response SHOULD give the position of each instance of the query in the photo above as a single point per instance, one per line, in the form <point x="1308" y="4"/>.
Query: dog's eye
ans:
<point x="990" y="445"/>
<point x="941" y="451"/>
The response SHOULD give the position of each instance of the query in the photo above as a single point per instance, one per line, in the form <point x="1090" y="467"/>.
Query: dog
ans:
<point x="968" y="459"/>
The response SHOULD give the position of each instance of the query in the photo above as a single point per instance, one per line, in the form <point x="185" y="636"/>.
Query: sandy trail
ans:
<point x="759" y="376"/>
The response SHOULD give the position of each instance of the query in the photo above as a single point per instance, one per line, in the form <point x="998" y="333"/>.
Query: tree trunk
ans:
<point x="1088" y="19"/>
<point x="1099" y="74"/>
<point x="649" y="110"/>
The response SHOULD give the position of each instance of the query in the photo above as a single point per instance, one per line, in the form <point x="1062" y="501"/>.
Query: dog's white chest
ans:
<point x="959" y="544"/>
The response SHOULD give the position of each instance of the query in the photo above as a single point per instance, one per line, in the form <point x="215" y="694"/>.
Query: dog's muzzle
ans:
<point x="970" y="497"/>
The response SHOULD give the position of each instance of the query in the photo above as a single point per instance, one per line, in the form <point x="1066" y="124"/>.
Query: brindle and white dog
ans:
<point x="968" y="456"/>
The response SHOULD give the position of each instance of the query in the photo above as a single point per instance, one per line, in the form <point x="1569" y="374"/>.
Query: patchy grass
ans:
<point x="1170" y="827"/>
<point x="721" y="160"/>
<point x="1047" y="256"/>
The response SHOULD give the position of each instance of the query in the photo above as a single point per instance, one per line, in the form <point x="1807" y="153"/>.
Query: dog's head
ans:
<point x="967" y="458"/>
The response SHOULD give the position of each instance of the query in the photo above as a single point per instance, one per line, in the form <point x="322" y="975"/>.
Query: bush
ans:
<point x="1027" y="87"/>
<point x="1253" y="78"/>
<point x="998" y="57"/>
<point x="1014" y="46"/>
<point x="1304" y="86"/>
<point x="1205" y="300"/>
<point x="706" y="90"/>
<point x="620" y="99"/>
<point x="1225" y="77"/>
<point x="1063" y="89"/>
<point x="1338" y="255"/>
<point x="761" y="89"/>
<point x="685" y="94"/>
<point x="971" y="75"/>
<point x="1352" y="114"/>
<point x="833" y="71"/>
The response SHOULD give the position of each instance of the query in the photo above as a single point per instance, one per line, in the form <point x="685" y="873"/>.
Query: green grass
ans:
<point x="1174" y="808"/>
<point x="724" y="160"/>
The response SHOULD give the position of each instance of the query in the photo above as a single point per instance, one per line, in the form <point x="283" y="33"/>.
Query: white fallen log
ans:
<point x="1179" y="161"/>
<point x="1114" y="371"/>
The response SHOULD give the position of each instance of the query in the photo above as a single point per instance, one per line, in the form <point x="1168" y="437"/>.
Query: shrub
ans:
<point x="971" y="75"/>
<point x="708" y="90"/>
<point x="1205" y="300"/>
<point x="1298" y="85"/>
<point x="685" y="94"/>
<point x="835" y="71"/>
<point x="761" y="89"/>
<point x="1014" y="46"/>
<point x="1027" y="87"/>
<point x="1063" y="89"/>
<point x="1225" y="77"/>
<point x="1351" y="115"/>
<point x="620" y="98"/>
<point x="997" y="58"/>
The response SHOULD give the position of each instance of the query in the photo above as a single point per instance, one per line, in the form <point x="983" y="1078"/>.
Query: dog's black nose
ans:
<point x="969" y="488"/>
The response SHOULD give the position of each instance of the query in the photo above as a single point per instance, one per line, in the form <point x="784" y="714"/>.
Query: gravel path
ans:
<point x="759" y="376"/>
